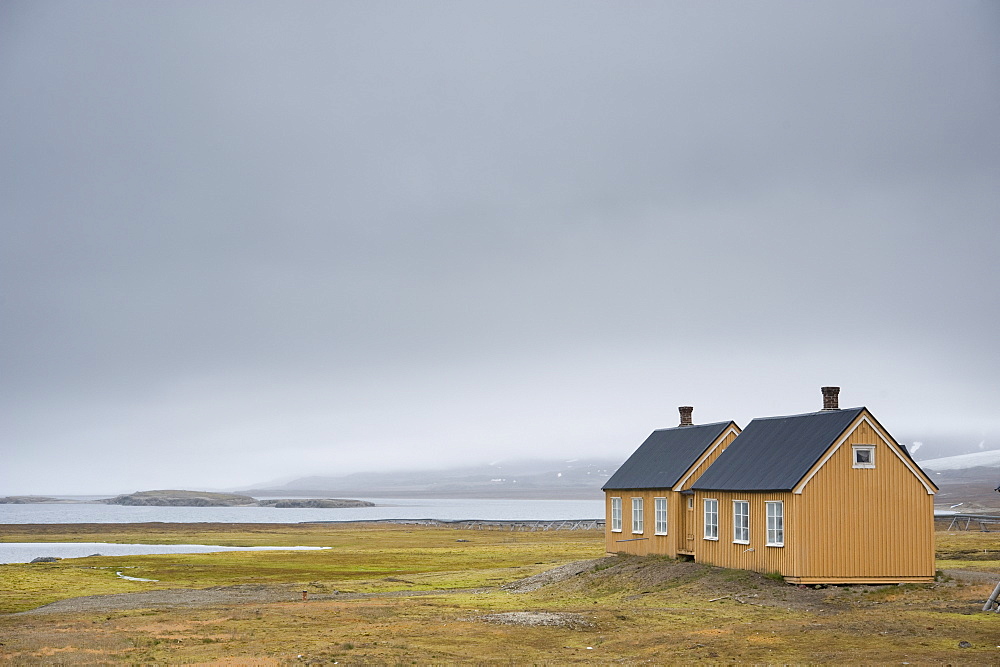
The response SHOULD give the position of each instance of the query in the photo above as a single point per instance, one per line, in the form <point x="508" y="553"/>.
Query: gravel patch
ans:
<point x="973" y="576"/>
<point x="537" y="618"/>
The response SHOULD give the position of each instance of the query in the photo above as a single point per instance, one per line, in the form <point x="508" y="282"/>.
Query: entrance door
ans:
<point x="686" y="538"/>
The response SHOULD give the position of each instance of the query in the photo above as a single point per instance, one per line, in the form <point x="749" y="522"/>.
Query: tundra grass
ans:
<point x="948" y="543"/>
<point x="360" y="558"/>
<point x="448" y="628"/>
<point x="968" y="550"/>
<point x="627" y="609"/>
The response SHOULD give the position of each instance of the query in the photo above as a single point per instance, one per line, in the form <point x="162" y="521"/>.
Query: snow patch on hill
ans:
<point x="990" y="459"/>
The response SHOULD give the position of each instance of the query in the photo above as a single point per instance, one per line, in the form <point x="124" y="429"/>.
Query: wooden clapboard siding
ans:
<point x="725" y="553"/>
<point x="865" y="524"/>
<point x="648" y="542"/>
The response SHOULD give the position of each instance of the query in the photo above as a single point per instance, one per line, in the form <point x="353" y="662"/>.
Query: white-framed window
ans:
<point x="864" y="456"/>
<point x="741" y="522"/>
<point x="660" y="511"/>
<point x="690" y="502"/>
<point x="637" y="516"/>
<point x="616" y="515"/>
<point x="775" y="523"/>
<point x="711" y="519"/>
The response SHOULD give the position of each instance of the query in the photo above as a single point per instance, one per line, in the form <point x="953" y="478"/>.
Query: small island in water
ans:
<point x="177" y="498"/>
<point x="180" y="498"/>
<point x="31" y="500"/>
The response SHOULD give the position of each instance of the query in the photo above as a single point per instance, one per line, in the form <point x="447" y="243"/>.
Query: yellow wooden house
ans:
<point x="647" y="500"/>
<point x="826" y="497"/>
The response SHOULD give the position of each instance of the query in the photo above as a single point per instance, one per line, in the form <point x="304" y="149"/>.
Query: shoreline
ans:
<point x="468" y="524"/>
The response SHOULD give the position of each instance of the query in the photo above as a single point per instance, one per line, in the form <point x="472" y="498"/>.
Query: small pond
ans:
<point x="25" y="552"/>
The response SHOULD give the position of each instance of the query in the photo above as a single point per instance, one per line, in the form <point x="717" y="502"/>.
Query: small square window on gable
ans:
<point x="864" y="456"/>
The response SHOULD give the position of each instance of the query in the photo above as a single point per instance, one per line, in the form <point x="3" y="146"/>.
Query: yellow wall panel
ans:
<point x="647" y="542"/>
<point x="866" y="523"/>
<point x="756" y="555"/>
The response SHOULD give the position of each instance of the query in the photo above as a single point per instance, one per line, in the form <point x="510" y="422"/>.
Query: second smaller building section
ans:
<point x="649" y="505"/>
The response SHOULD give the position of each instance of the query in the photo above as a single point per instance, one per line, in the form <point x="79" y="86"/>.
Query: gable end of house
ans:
<point x="866" y="418"/>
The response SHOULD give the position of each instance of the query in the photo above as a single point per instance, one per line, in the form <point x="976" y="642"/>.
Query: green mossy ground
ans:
<point x="632" y="609"/>
<point x="360" y="558"/>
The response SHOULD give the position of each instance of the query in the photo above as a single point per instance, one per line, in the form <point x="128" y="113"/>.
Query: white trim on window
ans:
<point x="775" y="510"/>
<point x="741" y="522"/>
<point x="711" y="519"/>
<point x="616" y="515"/>
<point x="863" y="456"/>
<point x="660" y="516"/>
<point x="637" y="516"/>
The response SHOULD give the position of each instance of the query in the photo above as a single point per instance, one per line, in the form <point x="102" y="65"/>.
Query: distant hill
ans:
<point x="967" y="481"/>
<point x="572" y="479"/>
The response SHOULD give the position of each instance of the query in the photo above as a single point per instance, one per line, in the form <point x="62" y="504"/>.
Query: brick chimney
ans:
<point x="686" y="411"/>
<point x="831" y="400"/>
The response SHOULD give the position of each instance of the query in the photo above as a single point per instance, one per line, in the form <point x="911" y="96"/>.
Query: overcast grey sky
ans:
<point x="250" y="240"/>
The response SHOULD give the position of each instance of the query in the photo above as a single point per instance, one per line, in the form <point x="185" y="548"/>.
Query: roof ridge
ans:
<point x="809" y="414"/>
<point x="671" y="428"/>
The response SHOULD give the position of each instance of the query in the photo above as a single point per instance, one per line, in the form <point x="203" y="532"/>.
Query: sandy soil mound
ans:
<point x="552" y="576"/>
<point x="634" y="577"/>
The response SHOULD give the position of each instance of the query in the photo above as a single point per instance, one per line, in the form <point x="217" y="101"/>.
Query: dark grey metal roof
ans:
<point x="665" y="456"/>
<point x="775" y="453"/>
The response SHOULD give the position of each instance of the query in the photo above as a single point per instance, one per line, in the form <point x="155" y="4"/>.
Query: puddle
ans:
<point x="128" y="578"/>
